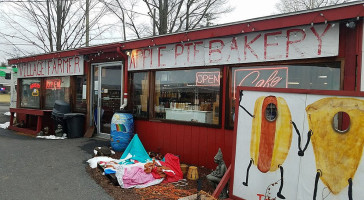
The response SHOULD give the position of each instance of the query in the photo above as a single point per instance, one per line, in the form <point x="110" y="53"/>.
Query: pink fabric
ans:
<point x="172" y="162"/>
<point x="136" y="176"/>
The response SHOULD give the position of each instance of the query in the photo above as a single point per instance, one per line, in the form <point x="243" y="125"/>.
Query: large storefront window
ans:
<point x="140" y="94"/>
<point x="56" y="88"/>
<point x="188" y="95"/>
<point x="30" y="93"/>
<point x="316" y="76"/>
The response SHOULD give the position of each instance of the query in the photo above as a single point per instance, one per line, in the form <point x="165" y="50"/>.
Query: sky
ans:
<point x="244" y="9"/>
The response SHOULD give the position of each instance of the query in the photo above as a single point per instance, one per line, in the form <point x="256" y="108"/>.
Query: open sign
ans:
<point x="53" y="84"/>
<point x="208" y="78"/>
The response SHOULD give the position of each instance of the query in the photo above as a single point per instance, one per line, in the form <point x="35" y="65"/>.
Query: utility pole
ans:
<point x="154" y="22"/>
<point x="187" y="14"/>
<point x="87" y="13"/>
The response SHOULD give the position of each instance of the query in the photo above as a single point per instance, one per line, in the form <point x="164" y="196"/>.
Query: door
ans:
<point x="107" y="92"/>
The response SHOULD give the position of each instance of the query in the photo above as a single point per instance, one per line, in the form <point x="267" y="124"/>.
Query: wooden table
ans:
<point x="27" y="112"/>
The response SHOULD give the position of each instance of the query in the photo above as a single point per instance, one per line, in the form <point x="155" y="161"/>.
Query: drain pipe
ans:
<point x="124" y="99"/>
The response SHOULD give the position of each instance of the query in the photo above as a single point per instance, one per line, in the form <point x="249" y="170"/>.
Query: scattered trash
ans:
<point x="5" y="125"/>
<point x="103" y="151"/>
<point x="93" y="161"/>
<point x="8" y="114"/>
<point x="52" y="137"/>
<point x="181" y="183"/>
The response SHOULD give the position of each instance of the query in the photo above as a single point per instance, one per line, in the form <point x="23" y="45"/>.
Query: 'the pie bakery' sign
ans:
<point x="68" y="66"/>
<point x="283" y="44"/>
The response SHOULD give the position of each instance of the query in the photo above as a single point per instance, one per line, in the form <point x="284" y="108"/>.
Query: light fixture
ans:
<point x="351" y="24"/>
<point x="293" y="83"/>
<point x="322" y="76"/>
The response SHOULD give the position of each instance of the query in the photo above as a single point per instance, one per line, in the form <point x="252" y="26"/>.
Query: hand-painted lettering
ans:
<point x="266" y="44"/>
<point x="176" y="53"/>
<point x="319" y="37"/>
<point x="195" y="50"/>
<point x="299" y="39"/>
<point x="234" y="47"/>
<point x="247" y="46"/>
<point x="54" y="67"/>
<point x="216" y="49"/>
<point x="160" y="55"/>
<point x="147" y="55"/>
<point x="188" y="45"/>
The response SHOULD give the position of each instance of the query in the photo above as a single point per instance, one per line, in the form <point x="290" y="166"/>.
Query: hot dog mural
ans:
<point x="270" y="137"/>
<point x="269" y="161"/>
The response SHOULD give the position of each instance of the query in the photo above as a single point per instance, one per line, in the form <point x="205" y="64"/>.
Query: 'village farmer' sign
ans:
<point x="68" y="66"/>
<point x="282" y="44"/>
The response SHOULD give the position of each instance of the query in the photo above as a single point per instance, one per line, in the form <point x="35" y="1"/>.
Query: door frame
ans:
<point x="92" y="100"/>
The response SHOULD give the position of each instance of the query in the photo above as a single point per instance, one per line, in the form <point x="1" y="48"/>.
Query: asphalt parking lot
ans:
<point x="32" y="168"/>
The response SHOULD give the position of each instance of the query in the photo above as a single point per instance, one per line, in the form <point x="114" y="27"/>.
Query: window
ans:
<point x="317" y="76"/>
<point x="30" y="93"/>
<point x="81" y="101"/>
<point x="140" y="94"/>
<point x="188" y="95"/>
<point x="56" y="88"/>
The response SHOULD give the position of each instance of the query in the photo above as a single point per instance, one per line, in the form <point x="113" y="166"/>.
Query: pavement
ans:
<point x="32" y="168"/>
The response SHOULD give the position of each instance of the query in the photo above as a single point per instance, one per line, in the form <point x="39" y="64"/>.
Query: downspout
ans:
<point x="124" y="83"/>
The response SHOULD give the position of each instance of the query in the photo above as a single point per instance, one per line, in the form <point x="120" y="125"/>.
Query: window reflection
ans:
<point x="188" y="95"/>
<point x="56" y="88"/>
<point x="140" y="94"/>
<point x="30" y="93"/>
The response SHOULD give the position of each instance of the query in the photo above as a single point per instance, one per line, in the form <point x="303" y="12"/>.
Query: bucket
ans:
<point x="192" y="173"/>
<point x="122" y="131"/>
<point x="184" y="168"/>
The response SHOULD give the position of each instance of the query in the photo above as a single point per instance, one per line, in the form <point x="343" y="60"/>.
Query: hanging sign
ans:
<point x="35" y="92"/>
<point x="268" y="77"/>
<point x="68" y="66"/>
<point x="34" y="85"/>
<point x="283" y="44"/>
<point x="208" y="78"/>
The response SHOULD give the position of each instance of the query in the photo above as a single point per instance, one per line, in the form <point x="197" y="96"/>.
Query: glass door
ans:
<point x="107" y="93"/>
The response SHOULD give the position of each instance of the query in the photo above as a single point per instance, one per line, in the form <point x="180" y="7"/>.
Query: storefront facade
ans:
<point x="181" y="87"/>
<point x="75" y="77"/>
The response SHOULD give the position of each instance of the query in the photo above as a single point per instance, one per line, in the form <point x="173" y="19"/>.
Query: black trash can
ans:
<point x="74" y="123"/>
<point x="59" y="109"/>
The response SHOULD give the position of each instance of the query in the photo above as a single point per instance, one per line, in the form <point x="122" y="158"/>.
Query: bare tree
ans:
<point x="285" y="6"/>
<point x="50" y="25"/>
<point x="171" y="15"/>
<point x="177" y="15"/>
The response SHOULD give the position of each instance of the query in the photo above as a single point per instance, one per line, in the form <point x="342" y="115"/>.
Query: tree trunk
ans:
<point x="87" y="23"/>
<point x="163" y="15"/>
<point x="50" y="38"/>
<point x="59" y="26"/>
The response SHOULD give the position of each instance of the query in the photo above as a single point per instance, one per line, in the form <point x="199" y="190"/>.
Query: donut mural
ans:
<point x="337" y="153"/>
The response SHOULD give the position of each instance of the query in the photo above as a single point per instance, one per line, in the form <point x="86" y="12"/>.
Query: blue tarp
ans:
<point x="136" y="150"/>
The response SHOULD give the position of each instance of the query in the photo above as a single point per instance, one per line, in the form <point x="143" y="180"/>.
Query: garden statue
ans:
<point x="59" y="131"/>
<point x="43" y="132"/>
<point x="215" y="176"/>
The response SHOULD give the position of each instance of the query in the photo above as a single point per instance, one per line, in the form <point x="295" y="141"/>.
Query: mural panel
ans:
<point x="298" y="146"/>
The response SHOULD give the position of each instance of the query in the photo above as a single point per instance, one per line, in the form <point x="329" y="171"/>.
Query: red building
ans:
<point x="180" y="87"/>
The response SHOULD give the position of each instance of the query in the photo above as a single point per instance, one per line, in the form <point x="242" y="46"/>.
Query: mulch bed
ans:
<point x="162" y="191"/>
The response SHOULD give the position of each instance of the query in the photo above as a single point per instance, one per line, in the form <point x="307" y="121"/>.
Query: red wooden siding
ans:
<point x="195" y="145"/>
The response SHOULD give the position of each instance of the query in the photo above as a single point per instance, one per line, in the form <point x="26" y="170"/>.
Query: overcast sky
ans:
<point x="244" y="9"/>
